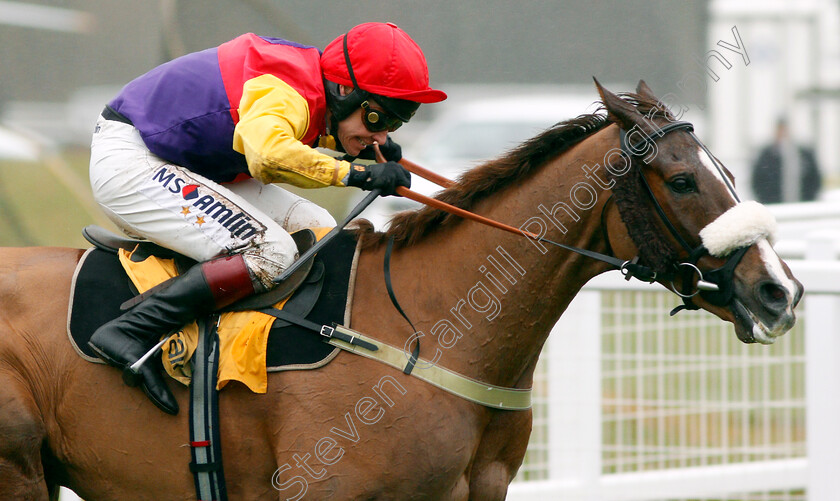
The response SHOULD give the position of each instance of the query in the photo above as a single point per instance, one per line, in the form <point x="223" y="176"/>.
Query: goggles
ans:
<point x="379" y="120"/>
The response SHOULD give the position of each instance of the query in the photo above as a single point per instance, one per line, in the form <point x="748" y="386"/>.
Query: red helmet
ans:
<point x="383" y="60"/>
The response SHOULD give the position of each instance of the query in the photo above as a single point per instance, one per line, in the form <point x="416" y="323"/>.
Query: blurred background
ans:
<point x="511" y="69"/>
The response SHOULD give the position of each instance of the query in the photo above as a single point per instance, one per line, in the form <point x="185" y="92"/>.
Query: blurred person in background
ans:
<point x="186" y="154"/>
<point x="785" y="172"/>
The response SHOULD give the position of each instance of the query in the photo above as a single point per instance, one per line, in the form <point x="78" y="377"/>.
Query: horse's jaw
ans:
<point x="755" y="320"/>
<point x="750" y="329"/>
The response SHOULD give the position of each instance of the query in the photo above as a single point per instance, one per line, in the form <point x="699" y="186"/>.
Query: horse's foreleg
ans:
<point x="21" y="437"/>
<point x="499" y="455"/>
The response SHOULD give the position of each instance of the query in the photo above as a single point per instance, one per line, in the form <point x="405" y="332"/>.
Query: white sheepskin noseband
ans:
<point x="740" y="226"/>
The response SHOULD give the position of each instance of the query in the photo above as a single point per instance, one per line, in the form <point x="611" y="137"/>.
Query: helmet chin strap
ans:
<point x="342" y="105"/>
<point x="332" y="130"/>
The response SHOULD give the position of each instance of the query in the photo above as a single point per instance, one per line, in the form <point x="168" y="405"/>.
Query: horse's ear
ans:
<point x="643" y="90"/>
<point x="618" y="109"/>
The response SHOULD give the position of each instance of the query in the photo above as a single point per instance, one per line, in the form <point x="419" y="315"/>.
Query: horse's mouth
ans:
<point x="751" y="329"/>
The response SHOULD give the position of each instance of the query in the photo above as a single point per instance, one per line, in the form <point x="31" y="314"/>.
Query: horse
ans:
<point x="480" y="301"/>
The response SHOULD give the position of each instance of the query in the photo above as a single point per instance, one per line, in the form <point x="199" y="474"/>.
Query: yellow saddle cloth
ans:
<point x="243" y="336"/>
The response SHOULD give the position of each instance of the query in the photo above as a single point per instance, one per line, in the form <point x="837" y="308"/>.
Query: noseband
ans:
<point x="715" y="286"/>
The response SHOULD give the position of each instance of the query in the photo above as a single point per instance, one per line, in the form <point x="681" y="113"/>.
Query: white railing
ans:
<point x="634" y="405"/>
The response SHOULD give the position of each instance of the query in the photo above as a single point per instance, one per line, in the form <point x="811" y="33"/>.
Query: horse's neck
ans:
<point x="485" y="300"/>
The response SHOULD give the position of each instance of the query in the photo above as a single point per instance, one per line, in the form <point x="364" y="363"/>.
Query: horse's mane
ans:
<point x="409" y="227"/>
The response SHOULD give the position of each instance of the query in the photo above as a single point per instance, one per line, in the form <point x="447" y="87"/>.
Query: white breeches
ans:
<point x="147" y="197"/>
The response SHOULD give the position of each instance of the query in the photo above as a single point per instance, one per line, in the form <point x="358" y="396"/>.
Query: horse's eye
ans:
<point x="682" y="184"/>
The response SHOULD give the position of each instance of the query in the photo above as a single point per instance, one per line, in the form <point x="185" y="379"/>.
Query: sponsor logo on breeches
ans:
<point x="206" y="205"/>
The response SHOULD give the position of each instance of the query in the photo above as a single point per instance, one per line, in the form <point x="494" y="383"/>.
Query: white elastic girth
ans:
<point x="740" y="226"/>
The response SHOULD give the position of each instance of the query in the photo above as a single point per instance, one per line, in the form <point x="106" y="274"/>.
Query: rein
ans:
<point x="718" y="289"/>
<point x="629" y="268"/>
<point x="715" y="287"/>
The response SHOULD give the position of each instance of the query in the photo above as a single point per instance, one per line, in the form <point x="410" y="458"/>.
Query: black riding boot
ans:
<point x="201" y="290"/>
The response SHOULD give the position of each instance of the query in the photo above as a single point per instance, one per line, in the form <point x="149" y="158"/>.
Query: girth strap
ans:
<point x="489" y="395"/>
<point x="465" y="387"/>
<point x="327" y="331"/>
<point x="205" y="436"/>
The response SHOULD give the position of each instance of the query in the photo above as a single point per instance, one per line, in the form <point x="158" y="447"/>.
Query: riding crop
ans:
<point x="309" y="254"/>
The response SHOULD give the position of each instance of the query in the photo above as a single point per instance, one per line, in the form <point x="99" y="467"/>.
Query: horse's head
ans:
<point x="680" y="214"/>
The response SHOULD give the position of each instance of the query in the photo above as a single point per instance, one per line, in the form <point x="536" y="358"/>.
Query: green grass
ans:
<point x="47" y="203"/>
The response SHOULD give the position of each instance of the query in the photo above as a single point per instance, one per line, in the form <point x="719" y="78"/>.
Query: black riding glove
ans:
<point x="386" y="177"/>
<point x="390" y="150"/>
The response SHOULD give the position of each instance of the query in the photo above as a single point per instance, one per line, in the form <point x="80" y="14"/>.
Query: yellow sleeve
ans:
<point x="273" y="117"/>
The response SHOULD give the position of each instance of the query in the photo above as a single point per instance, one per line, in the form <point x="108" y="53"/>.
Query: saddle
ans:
<point x="317" y="292"/>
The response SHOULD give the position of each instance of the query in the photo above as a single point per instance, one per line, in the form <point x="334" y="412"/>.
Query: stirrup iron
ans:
<point x="131" y="374"/>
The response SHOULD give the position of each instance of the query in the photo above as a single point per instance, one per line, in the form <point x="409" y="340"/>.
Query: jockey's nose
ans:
<point x="380" y="137"/>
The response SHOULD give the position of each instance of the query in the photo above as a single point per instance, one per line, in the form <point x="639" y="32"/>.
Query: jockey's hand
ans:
<point x="390" y="150"/>
<point x="384" y="176"/>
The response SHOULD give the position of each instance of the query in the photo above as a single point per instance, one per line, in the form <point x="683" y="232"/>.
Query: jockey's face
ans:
<point x="352" y="133"/>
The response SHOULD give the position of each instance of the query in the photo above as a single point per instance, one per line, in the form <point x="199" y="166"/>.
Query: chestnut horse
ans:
<point x="483" y="302"/>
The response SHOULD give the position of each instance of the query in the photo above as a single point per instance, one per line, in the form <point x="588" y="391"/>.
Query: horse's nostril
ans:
<point x="773" y="296"/>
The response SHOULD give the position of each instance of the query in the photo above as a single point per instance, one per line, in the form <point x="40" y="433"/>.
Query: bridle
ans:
<point x="715" y="286"/>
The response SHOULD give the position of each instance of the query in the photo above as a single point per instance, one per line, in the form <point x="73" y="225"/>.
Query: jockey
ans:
<point x="186" y="155"/>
